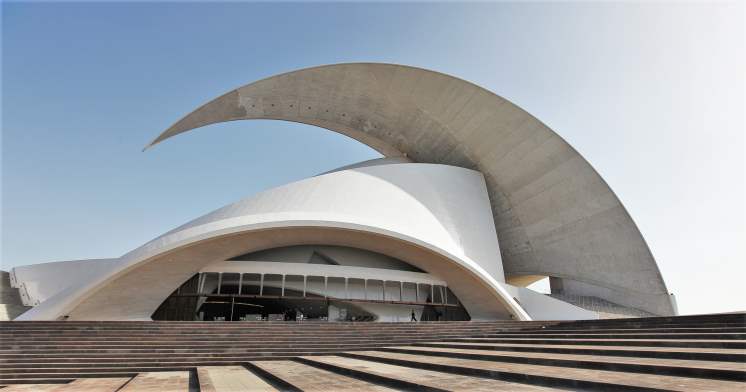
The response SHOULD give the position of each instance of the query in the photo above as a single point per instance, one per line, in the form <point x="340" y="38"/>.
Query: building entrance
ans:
<point x="266" y="297"/>
<point x="259" y="309"/>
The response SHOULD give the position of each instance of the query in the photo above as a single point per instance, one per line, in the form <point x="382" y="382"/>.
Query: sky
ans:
<point x="651" y="94"/>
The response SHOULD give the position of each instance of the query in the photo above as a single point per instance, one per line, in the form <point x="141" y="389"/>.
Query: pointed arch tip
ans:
<point x="151" y="144"/>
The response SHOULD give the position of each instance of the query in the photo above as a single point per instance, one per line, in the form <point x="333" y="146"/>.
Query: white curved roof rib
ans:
<point x="408" y="211"/>
<point x="555" y="216"/>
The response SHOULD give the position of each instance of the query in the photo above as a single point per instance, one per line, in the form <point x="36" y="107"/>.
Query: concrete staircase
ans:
<point x="687" y="353"/>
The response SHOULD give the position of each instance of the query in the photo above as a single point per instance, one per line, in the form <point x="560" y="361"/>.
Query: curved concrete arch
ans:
<point x="136" y="293"/>
<point x="555" y="216"/>
<point x="360" y="207"/>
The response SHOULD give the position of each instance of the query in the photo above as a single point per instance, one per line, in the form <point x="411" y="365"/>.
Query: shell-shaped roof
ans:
<point x="555" y="216"/>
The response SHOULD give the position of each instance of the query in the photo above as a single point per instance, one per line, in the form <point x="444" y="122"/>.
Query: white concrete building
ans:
<point x="474" y="200"/>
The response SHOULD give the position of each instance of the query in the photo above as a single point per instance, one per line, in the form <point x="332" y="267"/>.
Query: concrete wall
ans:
<point x="555" y="216"/>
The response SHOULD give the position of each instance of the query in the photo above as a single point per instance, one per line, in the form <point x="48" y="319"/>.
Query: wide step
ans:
<point x="300" y="377"/>
<point x="669" y="353"/>
<point x="408" y="378"/>
<point x="702" y="354"/>
<point x="159" y="382"/>
<point x="552" y="376"/>
<point x="675" y="367"/>
<point x="230" y="379"/>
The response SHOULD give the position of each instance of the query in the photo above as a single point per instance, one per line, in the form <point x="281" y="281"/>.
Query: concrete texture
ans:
<point x="571" y="375"/>
<point x="307" y="378"/>
<point x="94" y="385"/>
<point x="555" y="216"/>
<point x="425" y="378"/>
<point x="158" y="382"/>
<point x="230" y="379"/>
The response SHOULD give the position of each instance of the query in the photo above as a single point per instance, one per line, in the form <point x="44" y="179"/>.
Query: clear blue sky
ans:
<point x="651" y="95"/>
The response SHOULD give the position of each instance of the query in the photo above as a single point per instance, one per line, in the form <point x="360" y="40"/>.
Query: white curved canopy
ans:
<point x="359" y="207"/>
<point x="555" y="216"/>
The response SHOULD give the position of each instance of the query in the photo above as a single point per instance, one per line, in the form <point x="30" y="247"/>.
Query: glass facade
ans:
<point x="209" y="283"/>
<point x="409" y="292"/>
<point x="392" y="291"/>
<point x="251" y="284"/>
<point x="336" y="287"/>
<point x="295" y="286"/>
<point x="229" y="283"/>
<point x="375" y="290"/>
<point x="272" y="285"/>
<point x="243" y="296"/>
<point x="315" y="286"/>
<point x="356" y="288"/>
<point x="424" y="293"/>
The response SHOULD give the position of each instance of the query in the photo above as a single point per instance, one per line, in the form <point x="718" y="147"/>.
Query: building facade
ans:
<point x="474" y="200"/>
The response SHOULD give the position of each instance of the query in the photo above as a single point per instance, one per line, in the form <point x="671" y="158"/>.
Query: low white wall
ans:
<point x="38" y="282"/>
<point x="543" y="307"/>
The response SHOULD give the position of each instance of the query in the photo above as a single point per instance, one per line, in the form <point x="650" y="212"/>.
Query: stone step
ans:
<point x="179" y="353"/>
<point x="175" y="381"/>
<point x="80" y="358"/>
<point x="205" y="331"/>
<point x="77" y="385"/>
<point x="72" y="326"/>
<point x="551" y="376"/>
<point x="124" y="361"/>
<point x="632" y="335"/>
<point x="130" y="366"/>
<point x="230" y="379"/>
<point x="57" y="378"/>
<point x="208" y="350"/>
<point x="248" y="331"/>
<point x="280" y="325"/>
<point x="35" y="388"/>
<point x="50" y="336"/>
<point x="186" y="338"/>
<point x="78" y="372"/>
<point x="407" y="378"/>
<point x="551" y="330"/>
<point x="559" y="354"/>
<point x="218" y="345"/>
<point x="295" y="376"/>
<point x="672" y="367"/>
<point x="287" y="325"/>
<point x="712" y="354"/>
<point x="612" y="342"/>
<point x="7" y="339"/>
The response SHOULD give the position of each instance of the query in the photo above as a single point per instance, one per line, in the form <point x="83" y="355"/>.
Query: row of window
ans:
<point x="316" y="287"/>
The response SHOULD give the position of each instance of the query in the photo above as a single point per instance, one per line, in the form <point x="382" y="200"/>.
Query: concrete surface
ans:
<point x="554" y="214"/>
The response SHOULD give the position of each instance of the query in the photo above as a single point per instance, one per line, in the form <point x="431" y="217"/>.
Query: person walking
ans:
<point x="413" y="317"/>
